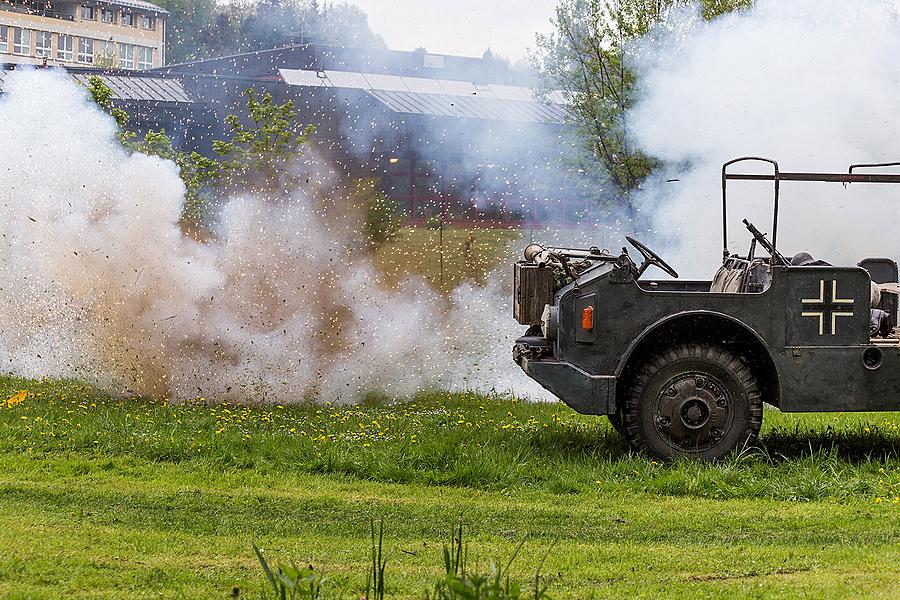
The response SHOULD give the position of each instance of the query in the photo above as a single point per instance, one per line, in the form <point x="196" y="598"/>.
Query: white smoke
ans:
<point x="100" y="283"/>
<point x="810" y="83"/>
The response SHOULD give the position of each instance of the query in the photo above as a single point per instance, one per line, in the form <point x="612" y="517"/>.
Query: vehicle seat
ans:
<point x="883" y="271"/>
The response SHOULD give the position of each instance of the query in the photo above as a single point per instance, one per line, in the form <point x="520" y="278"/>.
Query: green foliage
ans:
<point x="434" y="222"/>
<point x="262" y="153"/>
<point x="198" y="29"/>
<point x="375" y="577"/>
<point x="711" y="9"/>
<point x="291" y="581"/>
<point x="103" y="96"/>
<point x="193" y="30"/>
<point x="383" y="215"/>
<point x="196" y="170"/>
<point x="258" y="157"/>
<point x="586" y="56"/>
<point x="458" y="583"/>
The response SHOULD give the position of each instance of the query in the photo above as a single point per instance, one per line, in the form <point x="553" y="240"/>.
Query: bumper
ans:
<point x="584" y="393"/>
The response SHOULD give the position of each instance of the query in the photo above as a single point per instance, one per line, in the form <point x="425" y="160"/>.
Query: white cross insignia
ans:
<point x="827" y="307"/>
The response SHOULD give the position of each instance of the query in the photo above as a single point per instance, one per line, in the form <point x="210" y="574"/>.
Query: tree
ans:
<point x="185" y="27"/>
<point x="196" y="170"/>
<point x="347" y="25"/>
<point x="261" y="157"/>
<point x="586" y="57"/>
<point x="198" y="29"/>
<point x="261" y="153"/>
<point x="383" y="217"/>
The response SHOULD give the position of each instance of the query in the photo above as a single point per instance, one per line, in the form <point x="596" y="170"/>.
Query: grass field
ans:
<point x="111" y="498"/>
<point x="468" y="254"/>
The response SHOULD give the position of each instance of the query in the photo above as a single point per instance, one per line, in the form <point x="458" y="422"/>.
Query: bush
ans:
<point x="435" y="222"/>
<point x="383" y="216"/>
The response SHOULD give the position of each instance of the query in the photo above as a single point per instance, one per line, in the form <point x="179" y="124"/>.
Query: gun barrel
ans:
<point x="592" y="253"/>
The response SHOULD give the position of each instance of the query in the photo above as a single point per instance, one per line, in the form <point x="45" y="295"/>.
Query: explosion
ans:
<point x="100" y="283"/>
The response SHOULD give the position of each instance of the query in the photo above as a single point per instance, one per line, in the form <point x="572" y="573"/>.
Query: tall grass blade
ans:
<point x="265" y="566"/>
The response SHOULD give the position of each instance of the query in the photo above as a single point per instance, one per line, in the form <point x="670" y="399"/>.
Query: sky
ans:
<point x="464" y="27"/>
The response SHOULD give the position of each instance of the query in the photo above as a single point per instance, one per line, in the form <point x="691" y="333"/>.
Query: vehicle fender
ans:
<point x="758" y="345"/>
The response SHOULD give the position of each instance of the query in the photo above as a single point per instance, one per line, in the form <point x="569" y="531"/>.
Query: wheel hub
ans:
<point x="693" y="411"/>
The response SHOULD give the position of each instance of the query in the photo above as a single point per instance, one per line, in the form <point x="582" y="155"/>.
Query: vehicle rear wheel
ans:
<point x="693" y="400"/>
<point x="615" y="420"/>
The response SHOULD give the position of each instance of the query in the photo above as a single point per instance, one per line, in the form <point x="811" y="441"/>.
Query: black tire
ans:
<point x="693" y="400"/>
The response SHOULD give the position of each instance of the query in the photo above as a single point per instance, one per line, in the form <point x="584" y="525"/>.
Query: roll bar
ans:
<point x="777" y="176"/>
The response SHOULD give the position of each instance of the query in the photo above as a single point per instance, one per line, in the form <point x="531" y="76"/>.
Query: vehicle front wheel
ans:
<point x="693" y="400"/>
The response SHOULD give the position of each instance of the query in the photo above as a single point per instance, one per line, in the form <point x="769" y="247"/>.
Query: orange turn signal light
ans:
<point x="587" y="318"/>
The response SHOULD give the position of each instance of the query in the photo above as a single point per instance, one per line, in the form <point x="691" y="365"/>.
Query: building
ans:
<point x="463" y="138"/>
<point x="112" y="34"/>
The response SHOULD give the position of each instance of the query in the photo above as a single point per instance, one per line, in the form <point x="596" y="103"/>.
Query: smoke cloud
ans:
<point x="809" y="83"/>
<point x="99" y="282"/>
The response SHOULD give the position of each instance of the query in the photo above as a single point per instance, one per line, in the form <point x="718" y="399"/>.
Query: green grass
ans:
<point x="110" y="498"/>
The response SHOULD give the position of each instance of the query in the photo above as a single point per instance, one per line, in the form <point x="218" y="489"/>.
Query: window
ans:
<point x="4" y="38"/>
<point x="128" y="19"/>
<point x="22" y="41"/>
<point x="126" y="56"/>
<point x="42" y="47"/>
<point x="64" y="46"/>
<point x="85" y="50"/>
<point x="108" y="15"/>
<point x="145" y="58"/>
<point x="105" y="54"/>
<point x="87" y="13"/>
<point x="148" y="22"/>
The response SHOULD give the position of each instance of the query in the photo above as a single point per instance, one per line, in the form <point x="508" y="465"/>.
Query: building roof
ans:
<point x="131" y="88"/>
<point x="470" y="108"/>
<point x="136" y="4"/>
<point x="134" y="88"/>
<point x="318" y="57"/>
<point x="440" y="97"/>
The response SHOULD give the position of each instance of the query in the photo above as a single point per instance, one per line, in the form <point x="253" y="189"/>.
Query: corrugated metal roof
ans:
<point x="138" y="4"/>
<point x="462" y="107"/>
<point x="440" y="97"/>
<point x="147" y="89"/>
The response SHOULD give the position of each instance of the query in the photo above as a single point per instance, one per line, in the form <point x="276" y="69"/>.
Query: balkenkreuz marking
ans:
<point x="828" y="307"/>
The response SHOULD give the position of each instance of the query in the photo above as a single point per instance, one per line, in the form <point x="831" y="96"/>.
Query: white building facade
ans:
<point x="109" y="34"/>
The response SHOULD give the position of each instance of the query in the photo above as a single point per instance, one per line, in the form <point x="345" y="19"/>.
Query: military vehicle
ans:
<point x="682" y="368"/>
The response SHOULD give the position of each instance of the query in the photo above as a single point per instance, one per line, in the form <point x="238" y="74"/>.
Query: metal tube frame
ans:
<point x="778" y="176"/>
